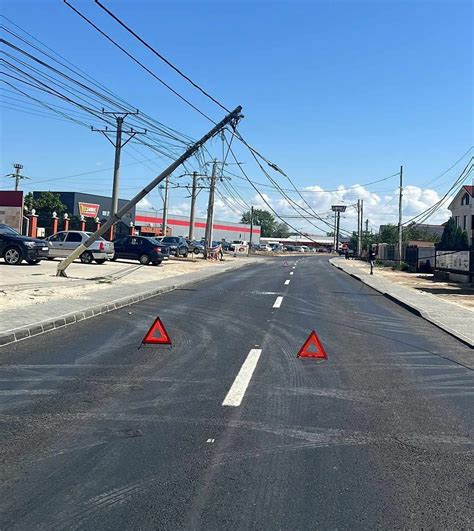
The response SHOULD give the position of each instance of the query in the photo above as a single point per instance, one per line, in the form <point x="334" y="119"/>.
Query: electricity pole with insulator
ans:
<point x="17" y="175"/>
<point x="118" y="145"/>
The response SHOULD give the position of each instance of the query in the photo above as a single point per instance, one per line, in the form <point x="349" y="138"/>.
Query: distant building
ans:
<point x="462" y="210"/>
<point x="148" y="223"/>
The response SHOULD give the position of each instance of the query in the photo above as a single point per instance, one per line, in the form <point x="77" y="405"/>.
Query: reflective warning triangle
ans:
<point x="312" y="348"/>
<point x="285" y="264"/>
<point x="157" y="335"/>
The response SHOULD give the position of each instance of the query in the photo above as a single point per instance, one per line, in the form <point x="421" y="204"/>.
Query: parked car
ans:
<point x="195" y="247"/>
<point x="176" y="244"/>
<point x="144" y="249"/>
<point x="14" y="248"/>
<point x="264" y="247"/>
<point x="63" y="243"/>
<point x="298" y="249"/>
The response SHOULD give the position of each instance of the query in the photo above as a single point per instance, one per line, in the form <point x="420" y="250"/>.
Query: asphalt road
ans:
<point x="99" y="433"/>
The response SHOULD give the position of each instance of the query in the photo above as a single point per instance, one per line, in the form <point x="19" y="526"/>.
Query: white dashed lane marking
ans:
<point x="278" y="302"/>
<point x="237" y="391"/>
<point x="287" y="282"/>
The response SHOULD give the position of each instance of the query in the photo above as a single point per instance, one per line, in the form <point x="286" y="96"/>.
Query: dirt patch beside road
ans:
<point x="25" y="285"/>
<point x="460" y="294"/>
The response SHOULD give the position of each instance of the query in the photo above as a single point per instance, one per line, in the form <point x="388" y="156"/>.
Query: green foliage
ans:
<point x="282" y="231"/>
<point x="453" y="238"/>
<point x="46" y="203"/>
<point x="414" y="232"/>
<point x="267" y="222"/>
<point x="389" y="234"/>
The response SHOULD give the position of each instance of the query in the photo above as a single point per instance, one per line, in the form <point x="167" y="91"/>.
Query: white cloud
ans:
<point x="379" y="208"/>
<point x="144" y="204"/>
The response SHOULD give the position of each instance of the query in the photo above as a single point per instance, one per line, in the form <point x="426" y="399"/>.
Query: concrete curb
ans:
<point x="411" y="308"/>
<point x="18" y="334"/>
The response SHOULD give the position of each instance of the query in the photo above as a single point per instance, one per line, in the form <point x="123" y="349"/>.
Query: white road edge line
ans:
<point x="278" y="302"/>
<point x="287" y="282"/>
<point x="291" y="272"/>
<point x="237" y="391"/>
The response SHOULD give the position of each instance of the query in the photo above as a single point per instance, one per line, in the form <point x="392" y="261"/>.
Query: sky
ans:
<point x="337" y="93"/>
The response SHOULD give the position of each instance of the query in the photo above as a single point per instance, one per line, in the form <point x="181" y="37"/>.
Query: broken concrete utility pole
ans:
<point x="231" y="118"/>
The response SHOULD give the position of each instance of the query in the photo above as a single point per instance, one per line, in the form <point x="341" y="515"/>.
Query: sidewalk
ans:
<point x="20" y="321"/>
<point x="450" y="317"/>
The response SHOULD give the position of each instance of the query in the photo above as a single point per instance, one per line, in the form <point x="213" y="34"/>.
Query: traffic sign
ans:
<point x="157" y="335"/>
<point x="312" y="348"/>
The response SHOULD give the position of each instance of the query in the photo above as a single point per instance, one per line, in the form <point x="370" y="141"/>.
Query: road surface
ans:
<point x="227" y="429"/>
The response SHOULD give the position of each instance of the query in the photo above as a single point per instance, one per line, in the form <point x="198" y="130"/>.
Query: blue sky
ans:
<point x="335" y="92"/>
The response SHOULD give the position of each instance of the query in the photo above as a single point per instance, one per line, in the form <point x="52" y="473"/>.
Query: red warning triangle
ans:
<point x="157" y="335"/>
<point x="312" y="348"/>
<point x="285" y="264"/>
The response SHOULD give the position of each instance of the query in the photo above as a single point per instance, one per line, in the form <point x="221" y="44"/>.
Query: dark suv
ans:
<point x="145" y="250"/>
<point x="14" y="248"/>
<point x="176" y="244"/>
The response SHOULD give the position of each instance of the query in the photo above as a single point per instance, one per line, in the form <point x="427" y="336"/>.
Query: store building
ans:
<point x="150" y="223"/>
<point x="92" y="207"/>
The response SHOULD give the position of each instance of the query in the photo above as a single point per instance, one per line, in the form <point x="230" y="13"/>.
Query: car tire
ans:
<point x="196" y="251"/>
<point x="86" y="257"/>
<point x="100" y="261"/>
<point x="144" y="259"/>
<point x="114" y="257"/>
<point x="157" y="263"/>
<point x="185" y="255"/>
<point x="35" y="261"/>
<point x="50" y="258"/>
<point x="13" y="255"/>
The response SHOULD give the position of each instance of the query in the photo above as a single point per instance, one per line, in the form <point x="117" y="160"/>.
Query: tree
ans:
<point x="388" y="234"/>
<point x="282" y="231"/>
<point x="267" y="222"/>
<point x="453" y="238"/>
<point x="415" y="232"/>
<point x="45" y="203"/>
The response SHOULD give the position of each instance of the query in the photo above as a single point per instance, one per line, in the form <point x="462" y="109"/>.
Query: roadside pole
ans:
<point x="210" y="210"/>
<point x="337" y="209"/>
<point x="165" y="208"/>
<point x="400" y="216"/>
<point x="361" y="225"/>
<point x="119" y="120"/>
<point x="192" y="214"/>
<point x="359" y="235"/>
<point x="232" y="118"/>
<point x="251" y="231"/>
<point x="17" y="175"/>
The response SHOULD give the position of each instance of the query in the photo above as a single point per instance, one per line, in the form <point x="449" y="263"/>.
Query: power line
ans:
<point x="153" y="50"/>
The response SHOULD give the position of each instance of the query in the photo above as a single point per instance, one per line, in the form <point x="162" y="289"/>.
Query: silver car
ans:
<point x="63" y="243"/>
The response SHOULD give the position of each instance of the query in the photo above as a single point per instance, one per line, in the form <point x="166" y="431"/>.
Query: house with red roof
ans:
<point x="462" y="210"/>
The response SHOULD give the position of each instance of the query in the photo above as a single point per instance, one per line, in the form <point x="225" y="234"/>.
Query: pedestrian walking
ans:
<point x="372" y="257"/>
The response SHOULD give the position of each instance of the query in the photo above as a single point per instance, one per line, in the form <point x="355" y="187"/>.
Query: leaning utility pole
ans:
<point x="400" y="215"/>
<point x="17" y="175"/>
<point x="210" y="209"/>
<point x="251" y="231"/>
<point x="231" y="118"/>
<point x="119" y="118"/>
<point x="165" y="208"/>
<point x="192" y="214"/>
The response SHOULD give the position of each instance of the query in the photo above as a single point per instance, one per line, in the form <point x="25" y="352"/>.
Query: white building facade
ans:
<point x="462" y="210"/>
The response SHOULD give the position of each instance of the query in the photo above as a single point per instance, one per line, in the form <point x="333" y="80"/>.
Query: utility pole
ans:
<point x="17" y="175"/>
<point x="210" y="208"/>
<point x="337" y="210"/>
<point x="359" y="234"/>
<point x="400" y="216"/>
<point x="361" y="225"/>
<point x="251" y="231"/>
<point x="192" y="214"/>
<point x="334" y="234"/>
<point x="165" y="208"/>
<point x="366" y="227"/>
<point x="118" y="145"/>
<point x="232" y="119"/>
